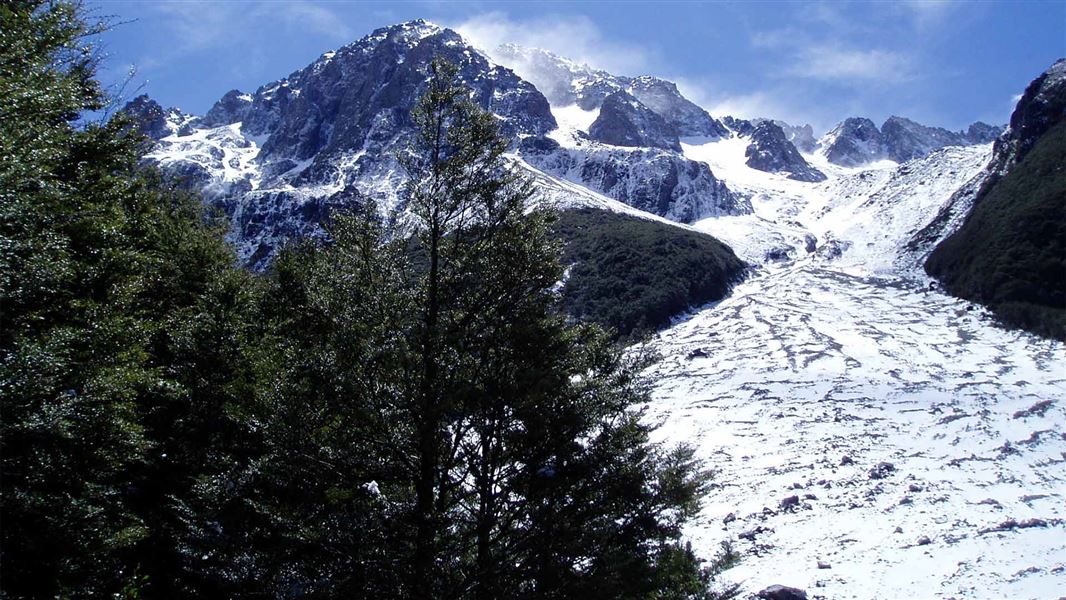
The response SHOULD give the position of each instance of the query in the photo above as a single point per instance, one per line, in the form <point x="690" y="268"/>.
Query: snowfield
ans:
<point x="871" y="437"/>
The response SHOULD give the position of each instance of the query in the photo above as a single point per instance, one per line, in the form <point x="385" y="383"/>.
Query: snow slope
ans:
<point x="854" y="415"/>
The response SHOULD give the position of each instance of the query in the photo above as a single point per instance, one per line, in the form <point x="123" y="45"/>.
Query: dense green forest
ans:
<point x="632" y="275"/>
<point x="1010" y="253"/>
<point x="347" y="425"/>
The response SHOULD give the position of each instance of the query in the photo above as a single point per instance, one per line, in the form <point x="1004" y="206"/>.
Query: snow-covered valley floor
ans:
<point x="806" y="379"/>
<point x="857" y="417"/>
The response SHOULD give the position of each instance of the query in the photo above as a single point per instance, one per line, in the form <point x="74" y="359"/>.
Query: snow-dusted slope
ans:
<point x="854" y="415"/>
<point x="812" y="379"/>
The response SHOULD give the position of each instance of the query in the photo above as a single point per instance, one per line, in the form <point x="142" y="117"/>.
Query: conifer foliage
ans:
<point x="400" y="413"/>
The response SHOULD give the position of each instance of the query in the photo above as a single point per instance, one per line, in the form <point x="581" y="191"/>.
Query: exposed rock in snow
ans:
<point x="855" y="141"/>
<point x="771" y="151"/>
<point x="156" y="122"/>
<point x="231" y="108"/>
<point x="656" y="181"/>
<point x="625" y="121"/>
<point x="565" y="82"/>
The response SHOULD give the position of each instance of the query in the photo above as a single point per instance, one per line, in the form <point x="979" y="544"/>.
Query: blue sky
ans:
<point x="938" y="62"/>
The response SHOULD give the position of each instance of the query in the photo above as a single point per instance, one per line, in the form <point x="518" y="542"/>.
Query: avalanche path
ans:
<point x="870" y="436"/>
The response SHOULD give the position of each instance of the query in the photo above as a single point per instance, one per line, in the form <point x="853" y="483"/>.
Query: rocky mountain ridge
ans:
<point x="857" y="141"/>
<point x="279" y="160"/>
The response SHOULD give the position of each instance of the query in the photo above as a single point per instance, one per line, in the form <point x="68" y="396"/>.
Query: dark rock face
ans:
<point x="770" y="151"/>
<point x="625" y="121"/>
<point x="781" y="592"/>
<point x="231" y="108"/>
<point x="905" y="140"/>
<point x="663" y="98"/>
<point x="854" y="142"/>
<point x="741" y="127"/>
<point x="1042" y="105"/>
<point x="148" y="116"/>
<point x="367" y="90"/>
<point x="982" y="133"/>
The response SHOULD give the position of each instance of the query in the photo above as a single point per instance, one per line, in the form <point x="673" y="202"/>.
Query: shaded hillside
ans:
<point x="1009" y="253"/>
<point x="634" y="274"/>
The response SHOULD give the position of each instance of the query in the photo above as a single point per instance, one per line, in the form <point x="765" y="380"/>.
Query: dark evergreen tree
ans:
<point x="122" y="334"/>
<point x="403" y="413"/>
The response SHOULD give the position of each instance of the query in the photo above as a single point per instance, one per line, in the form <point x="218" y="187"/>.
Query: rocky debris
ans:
<point x="1036" y="410"/>
<point x="846" y="460"/>
<point x="729" y="518"/>
<point x="882" y="470"/>
<point x="1012" y="524"/>
<point x="781" y="592"/>
<point x="924" y="541"/>
<point x="824" y="565"/>
<point x="625" y="121"/>
<point x="698" y="353"/>
<point x="789" y="503"/>
<point x="752" y="533"/>
<point x="914" y="487"/>
<point x="771" y="151"/>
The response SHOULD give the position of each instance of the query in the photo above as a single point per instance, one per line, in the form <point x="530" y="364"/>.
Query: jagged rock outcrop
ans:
<point x="664" y="99"/>
<point x="625" y="121"/>
<point x="741" y="127"/>
<point x="231" y="108"/>
<point x="905" y="140"/>
<point x="771" y="151"/>
<point x="1041" y="107"/>
<point x="657" y="181"/>
<point x="565" y="82"/>
<point x="853" y="142"/>
<point x="801" y="136"/>
<point x="857" y="141"/>
<point x="153" y="120"/>
<point x="367" y="89"/>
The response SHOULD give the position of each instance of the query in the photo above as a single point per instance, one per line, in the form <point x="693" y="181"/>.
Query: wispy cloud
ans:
<point x="575" y="37"/>
<point x="928" y="13"/>
<point x="831" y="61"/>
<point x="196" y="26"/>
<point x="828" y="58"/>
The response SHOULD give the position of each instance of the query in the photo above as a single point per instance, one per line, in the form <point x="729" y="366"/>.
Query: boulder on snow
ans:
<point x="782" y="592"/>
<point x="882" y="470"/>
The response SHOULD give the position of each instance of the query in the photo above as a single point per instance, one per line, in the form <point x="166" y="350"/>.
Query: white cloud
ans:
<point x="574" y="37"/>
<point x="928" y="13"/>
<point x="197" y="26"/>
<point x="833" y="62"/>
